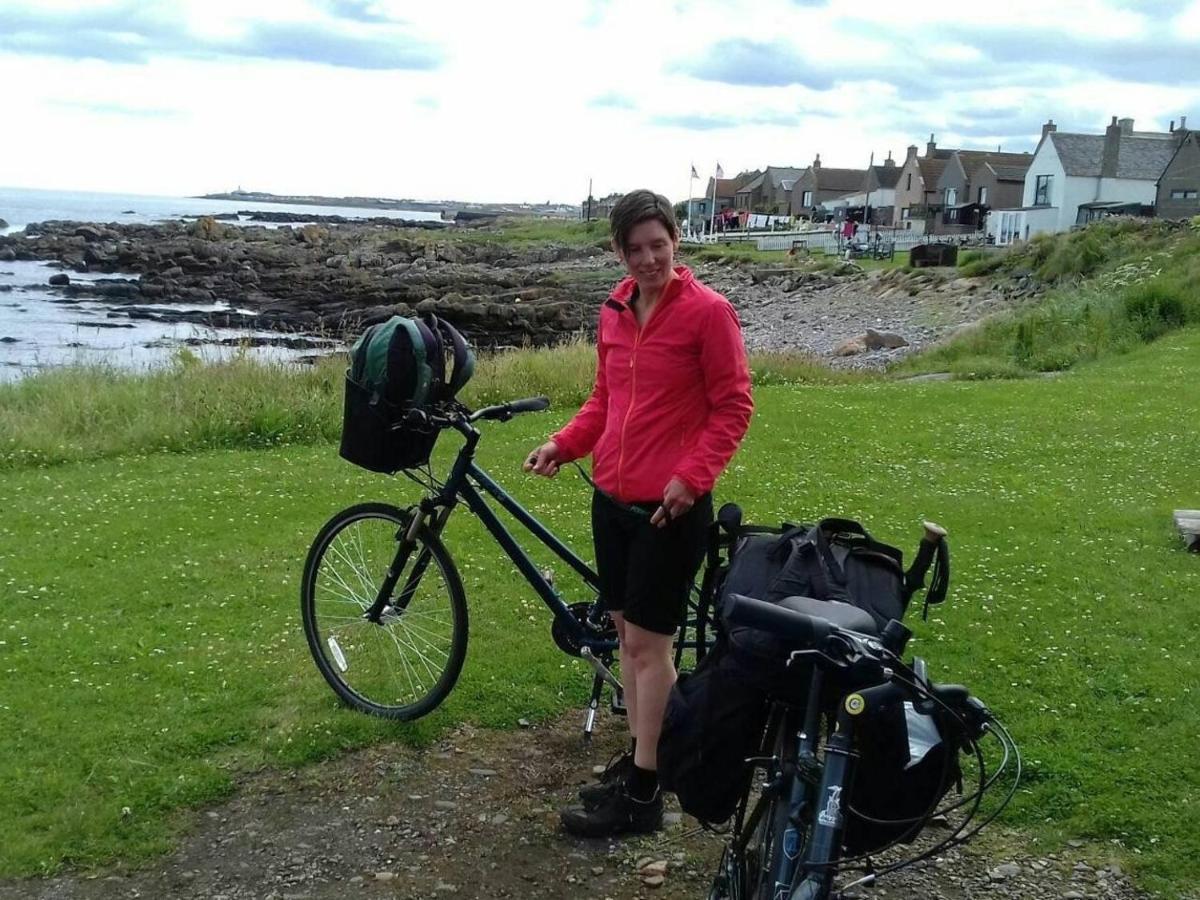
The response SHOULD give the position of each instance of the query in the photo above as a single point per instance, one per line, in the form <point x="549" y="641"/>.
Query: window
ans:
<point x="908" y="182"/>
<point x="806" y="200"/>
<point x="982" y="196"/>
<point x="905" y="213"/>
<point x="952" y="215"/>
<point x="1185" y="194"/>
<point x="951" y="196"/>
<point x="1041" y="194"/>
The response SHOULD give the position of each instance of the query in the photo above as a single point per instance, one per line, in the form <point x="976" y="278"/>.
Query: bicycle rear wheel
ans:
<point x="403" y="666"/>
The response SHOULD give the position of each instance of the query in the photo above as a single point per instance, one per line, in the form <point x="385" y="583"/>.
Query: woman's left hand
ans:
<point x="677" y="500"/>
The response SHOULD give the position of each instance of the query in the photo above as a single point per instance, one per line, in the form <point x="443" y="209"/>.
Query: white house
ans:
<point x="1075" y="178"/>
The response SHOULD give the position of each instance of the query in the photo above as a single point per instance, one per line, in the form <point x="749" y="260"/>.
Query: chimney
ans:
<point x="889" y="163"/>
<point x="1126" y="126"/>
<point x="1048" y="127"/>
<point x="1183" y="123"/>
<point x="1112" y="149"/>
<point x="930" y="147"/>
<point x="817" y="162"/>
<point x="912" y="154"/>
<point x="1171" y="130"/>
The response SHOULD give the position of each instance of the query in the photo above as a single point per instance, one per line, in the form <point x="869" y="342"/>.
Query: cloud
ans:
<point x="317" y="44"/>
<point x="611" y="100"/>
<point x="356" y="10"/>
<point x="752" y="63"/>
<point x="1157" y="58"/>
<point x="133" y="33"/>
<point x="118" y="109"/>
<point x="707" y="122"/>
<point x="695" y="122"/>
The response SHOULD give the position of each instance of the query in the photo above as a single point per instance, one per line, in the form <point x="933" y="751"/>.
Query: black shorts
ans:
<point x="646" y="572"/>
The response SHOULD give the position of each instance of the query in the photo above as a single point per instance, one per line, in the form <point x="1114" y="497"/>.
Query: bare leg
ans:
<point x="628" y="679"/>
<point x="654" y="674"/>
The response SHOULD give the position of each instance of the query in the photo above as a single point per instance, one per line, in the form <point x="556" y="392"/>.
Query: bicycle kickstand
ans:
<point x="589" y="721"/>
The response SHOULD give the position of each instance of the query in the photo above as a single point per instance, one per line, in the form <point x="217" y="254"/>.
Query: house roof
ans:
<point x="838" y="179"/>
<point x="779" y="173"/>
<point x="754" y="184"/>
<point x="1009" y="173"/>
<point x="931" y="169"/>
<point x="726" y="187"/>
<point x="1139" y="156"/>
<point x="887" y="176"/>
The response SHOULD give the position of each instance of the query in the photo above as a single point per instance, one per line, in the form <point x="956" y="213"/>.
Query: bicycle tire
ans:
<point x="396" y="669"/>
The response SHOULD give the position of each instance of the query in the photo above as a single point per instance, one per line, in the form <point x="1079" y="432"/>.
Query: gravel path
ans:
<point x="476" y="816"/>
<point x="816" y="312"/>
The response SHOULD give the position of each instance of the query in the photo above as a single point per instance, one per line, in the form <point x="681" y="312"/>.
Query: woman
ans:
<point x="670" y="405"/>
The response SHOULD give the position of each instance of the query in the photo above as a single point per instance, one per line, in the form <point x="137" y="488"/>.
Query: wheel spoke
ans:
<point x="404" y="664"/>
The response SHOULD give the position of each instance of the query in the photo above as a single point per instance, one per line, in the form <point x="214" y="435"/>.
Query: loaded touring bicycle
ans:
<point x="796" y="723"/>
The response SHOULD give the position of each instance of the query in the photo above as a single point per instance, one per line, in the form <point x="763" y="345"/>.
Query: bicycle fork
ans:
<point x="406" y="540"/>
<point x="829" y="816"/>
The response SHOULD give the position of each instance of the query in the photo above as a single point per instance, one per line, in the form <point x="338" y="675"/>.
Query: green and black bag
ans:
<point x="398" y="366"/>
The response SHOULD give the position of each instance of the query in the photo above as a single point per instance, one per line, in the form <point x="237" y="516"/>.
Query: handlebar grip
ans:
<point x="785" y="622"/>
<point x="529" y="404"/>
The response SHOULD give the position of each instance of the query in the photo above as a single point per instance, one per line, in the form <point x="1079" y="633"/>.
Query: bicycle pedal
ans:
<point x="617" y="703"/>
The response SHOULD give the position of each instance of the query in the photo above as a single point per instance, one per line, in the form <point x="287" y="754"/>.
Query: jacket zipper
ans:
<point x="637" y="339"/>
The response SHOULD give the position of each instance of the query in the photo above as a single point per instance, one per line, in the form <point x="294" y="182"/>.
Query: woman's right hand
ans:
<point x="543" y="460"/>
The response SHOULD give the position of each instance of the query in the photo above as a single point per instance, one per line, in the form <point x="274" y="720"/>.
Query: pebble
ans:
<point x="385" y="876"/>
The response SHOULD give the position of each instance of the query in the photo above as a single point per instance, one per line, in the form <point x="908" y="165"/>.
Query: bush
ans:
<point x="1154" y="308"/>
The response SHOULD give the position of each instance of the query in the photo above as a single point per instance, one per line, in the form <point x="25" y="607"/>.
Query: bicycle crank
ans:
<point x="567" y="641"/>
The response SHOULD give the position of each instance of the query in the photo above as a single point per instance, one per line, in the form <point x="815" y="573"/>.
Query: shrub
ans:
<point x="1154" y="308"/>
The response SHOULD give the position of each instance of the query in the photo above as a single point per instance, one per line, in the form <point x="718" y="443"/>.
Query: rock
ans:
<point x="483" y="773"/>
<point x="657" y="867"/>
<point x="654" y="881"/>
<point x="1004" y="871"/>
<point x="89" y="233"/>
<point x="3" y="224"/>
<point x="884" y="340"/>
<point x="523" y="723"/>
<point x="7" y="254"/>
<point x="9" y="340"/>
<point x="385" y="876"/>
<point x="62" y="279"/>
<point x="851" y="346"/>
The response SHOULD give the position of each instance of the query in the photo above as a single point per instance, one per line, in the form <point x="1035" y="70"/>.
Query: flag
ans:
<point x="720" y="171"/>
<point x="695" y="174"/>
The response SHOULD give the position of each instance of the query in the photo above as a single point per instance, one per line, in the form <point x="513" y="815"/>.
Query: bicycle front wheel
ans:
<point x="404" y="665"/>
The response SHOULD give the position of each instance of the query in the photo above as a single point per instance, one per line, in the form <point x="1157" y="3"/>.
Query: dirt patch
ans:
<point x="476" y="815"/>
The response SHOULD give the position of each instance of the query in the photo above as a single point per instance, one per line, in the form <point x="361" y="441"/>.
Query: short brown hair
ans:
<point x="637" y="207"/>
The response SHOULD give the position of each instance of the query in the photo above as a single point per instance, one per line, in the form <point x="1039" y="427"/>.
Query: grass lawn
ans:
<point x="151" y="651"/>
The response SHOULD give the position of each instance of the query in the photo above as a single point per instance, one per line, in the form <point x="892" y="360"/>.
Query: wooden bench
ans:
<point x="1188" y="523"/>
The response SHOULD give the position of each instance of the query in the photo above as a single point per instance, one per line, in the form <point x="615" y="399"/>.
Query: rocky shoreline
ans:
<point x="334" y="278"/>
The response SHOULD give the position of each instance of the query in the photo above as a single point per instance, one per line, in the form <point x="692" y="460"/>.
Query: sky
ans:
<point x="528" y="101"/>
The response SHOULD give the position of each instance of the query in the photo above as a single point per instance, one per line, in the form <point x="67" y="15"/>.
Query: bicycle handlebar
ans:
<point x="786" y="623"/>
<point x="505" y="411"/>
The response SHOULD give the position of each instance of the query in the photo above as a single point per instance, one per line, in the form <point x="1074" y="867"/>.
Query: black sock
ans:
<point x="643" y="784"/>
<point x="633" y="746"/>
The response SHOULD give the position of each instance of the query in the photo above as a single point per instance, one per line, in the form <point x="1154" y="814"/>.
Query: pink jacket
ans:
<point x="671" y="400"/>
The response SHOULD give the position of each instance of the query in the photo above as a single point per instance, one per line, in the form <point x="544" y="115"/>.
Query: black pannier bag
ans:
<point x="713" y="723"/>
<point x="715" y="716"/>
<point x="908" y="761"/>
<point x="396" y="367"/>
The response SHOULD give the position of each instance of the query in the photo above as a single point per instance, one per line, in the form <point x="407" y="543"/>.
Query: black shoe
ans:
<point x="618" y="813"/>
<point x="611" y="779"/>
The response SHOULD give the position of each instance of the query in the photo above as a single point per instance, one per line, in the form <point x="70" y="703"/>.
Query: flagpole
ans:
<point x="712" y="221"/>
<point x="692" y="178"/>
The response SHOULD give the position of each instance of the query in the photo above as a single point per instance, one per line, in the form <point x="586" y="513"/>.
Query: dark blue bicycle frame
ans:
<point x="468" y="482"/>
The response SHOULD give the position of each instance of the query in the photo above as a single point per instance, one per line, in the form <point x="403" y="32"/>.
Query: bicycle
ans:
<point x="398" y="653"/>
<point x="786" y="843"/>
